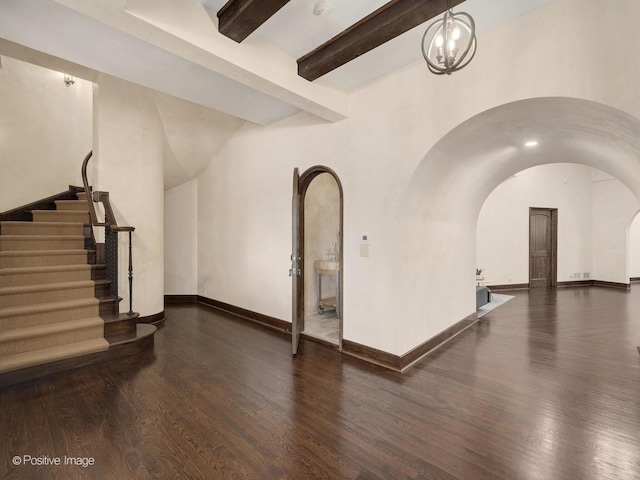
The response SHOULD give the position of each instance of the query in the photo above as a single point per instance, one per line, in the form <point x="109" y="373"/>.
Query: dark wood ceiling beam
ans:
<point x="386" y="23"/>
<point x="239" y="18"/>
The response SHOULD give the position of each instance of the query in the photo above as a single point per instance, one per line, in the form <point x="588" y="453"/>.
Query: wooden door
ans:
<point x="543" y="240"/>
<point x="296" y="266"/>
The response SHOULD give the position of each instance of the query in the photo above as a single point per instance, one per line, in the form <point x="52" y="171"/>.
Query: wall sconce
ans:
<point x="69" y="79"/>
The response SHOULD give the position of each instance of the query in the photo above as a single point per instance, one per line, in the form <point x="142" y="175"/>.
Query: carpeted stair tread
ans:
<point x="41" y="242"/>
<point x="51" y="312"/>
<point x="52" y="354"/>
<point x="46" y="292"/>
<point x="26" y="258"/>
<point x="60" y="216"/>
<point x="48" y="307"/>
<point x="46" y="287"/>
<point x="66" y="205"/>
<point x="42" y="228"/>
<point x="93" y="326"/>
<point x="17" y="333"/>
<point x="16" y="276"/>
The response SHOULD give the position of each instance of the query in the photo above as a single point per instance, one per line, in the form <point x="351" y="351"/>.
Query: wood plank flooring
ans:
<point x="545" y="387"/>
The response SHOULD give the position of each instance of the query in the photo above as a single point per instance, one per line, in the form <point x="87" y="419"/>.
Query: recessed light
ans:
<point x="531" y="143"/>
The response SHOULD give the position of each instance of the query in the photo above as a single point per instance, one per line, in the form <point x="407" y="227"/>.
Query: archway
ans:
<point x="594" y="211"/>
<point x="304" y="266"/>
<point x="451" y="183"/>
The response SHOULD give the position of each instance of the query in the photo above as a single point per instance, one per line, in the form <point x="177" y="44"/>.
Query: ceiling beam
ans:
<point x="386" y="23"/>
<point x="239" y="18"/>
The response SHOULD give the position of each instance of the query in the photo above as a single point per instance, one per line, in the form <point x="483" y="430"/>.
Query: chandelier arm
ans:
<point x="432" y="67"/>
<point x="445" y="30"/>
<point x="472" y="42"/>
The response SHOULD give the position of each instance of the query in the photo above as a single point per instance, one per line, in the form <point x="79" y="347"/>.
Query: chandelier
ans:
<point x="449" y="44"/>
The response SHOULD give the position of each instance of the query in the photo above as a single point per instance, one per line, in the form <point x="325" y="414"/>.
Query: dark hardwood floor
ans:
<point x="545" y="387"/>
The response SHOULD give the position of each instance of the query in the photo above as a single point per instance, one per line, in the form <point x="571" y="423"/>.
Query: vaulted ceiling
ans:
<point x="174" y="46"/>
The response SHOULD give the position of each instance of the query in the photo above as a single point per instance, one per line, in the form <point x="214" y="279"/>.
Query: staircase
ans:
<point x="56" y="307"/>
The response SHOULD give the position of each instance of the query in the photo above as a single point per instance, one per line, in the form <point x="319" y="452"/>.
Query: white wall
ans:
<point x="181" y="239"/>
<point x="128" y="156"/>
<point x="634" y="248"/>
<point x="613" y="210"/>
<point x="45" y="132"/>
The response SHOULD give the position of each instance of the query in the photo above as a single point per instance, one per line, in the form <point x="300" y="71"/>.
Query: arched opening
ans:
<point x="593" y="210"/>
<point x="318" y="256"/>
<point x="447" y="190"/>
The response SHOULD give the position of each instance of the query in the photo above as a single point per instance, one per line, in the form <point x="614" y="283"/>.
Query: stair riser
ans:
<point x="103" y="290"/>
<point x="107" y="307"/>
<point x="9" y="244"/>
<point x="52" y="340"/>
<point x="60" y="216"/>
<point x="72" y="205"/>
<point x="120" y="327"/>
<point x="34" y="298"/>
<point x="34" y="228"/>
<point x="42" y="318"/>
<point x="10" y="261"/>
<point x="17" y="280"/>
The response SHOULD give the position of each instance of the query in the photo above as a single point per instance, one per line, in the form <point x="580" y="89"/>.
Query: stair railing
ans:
<point x="111" y="230"/>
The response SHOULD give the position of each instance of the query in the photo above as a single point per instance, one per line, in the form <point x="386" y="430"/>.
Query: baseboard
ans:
<point x="570" y="283"/>
<point x="509" y="286"/>
<point x="265" y="320"/>
<point x="576" y="283"/>
<point x="180" y="299"/>
<point x="618" y="285"/>
<point x="401" y="363"/>
<point x="152" y="319"/>
<point x="372" y="355"/>
<point x="595" y="283"/>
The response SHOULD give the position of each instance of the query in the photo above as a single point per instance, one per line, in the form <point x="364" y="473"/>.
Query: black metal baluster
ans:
<point x="130" y="276"/>
<point x="111" y="260"/>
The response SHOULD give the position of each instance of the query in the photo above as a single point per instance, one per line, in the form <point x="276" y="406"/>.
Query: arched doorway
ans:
<point x="316" y="232"/>
<point x="448" y="188"/>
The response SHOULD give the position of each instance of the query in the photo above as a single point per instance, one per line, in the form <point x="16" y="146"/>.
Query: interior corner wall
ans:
<point x="181" y="239"/>
<point x="45" y="132"/>
<point x="129" y="157"/>
<point x="634" y="248"/>
<point x="614" y="207"/>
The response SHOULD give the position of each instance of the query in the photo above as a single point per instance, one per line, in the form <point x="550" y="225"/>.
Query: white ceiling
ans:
<point x="173" y="46"/>
<point x="296" y="31"/>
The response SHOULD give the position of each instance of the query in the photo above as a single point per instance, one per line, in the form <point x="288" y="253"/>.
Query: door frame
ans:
<point x="553" y="250"/>
<point x="298" y="290"/>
